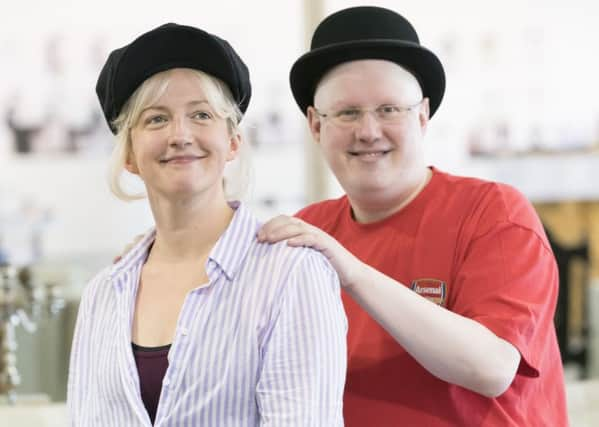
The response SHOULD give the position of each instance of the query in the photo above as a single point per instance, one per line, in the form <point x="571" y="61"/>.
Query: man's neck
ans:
<point x="373" y="207"/>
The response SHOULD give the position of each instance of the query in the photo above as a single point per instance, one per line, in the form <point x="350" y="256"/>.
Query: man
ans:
<point x="449" y="283"/>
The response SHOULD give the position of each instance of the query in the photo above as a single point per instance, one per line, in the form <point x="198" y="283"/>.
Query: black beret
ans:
<point x="169" y="46"/>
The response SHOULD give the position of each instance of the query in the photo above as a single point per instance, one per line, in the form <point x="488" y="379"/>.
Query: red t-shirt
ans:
<point x="479" y="249"/>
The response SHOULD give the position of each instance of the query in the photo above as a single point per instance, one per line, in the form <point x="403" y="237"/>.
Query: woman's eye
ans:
<point x="154" y="120"/>
<point x="202" y="115"/>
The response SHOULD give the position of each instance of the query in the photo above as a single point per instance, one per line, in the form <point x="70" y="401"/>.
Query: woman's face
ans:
<point x="179" y="146"/>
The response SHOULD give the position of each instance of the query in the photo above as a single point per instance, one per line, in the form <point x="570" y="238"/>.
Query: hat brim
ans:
<point x="310" y="68"/>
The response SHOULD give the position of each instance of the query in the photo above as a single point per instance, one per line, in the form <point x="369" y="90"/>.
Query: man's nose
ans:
<point x="368" y="128"/>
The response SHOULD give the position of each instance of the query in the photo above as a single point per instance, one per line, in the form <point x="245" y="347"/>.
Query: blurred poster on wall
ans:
<point x="48" y="105"/>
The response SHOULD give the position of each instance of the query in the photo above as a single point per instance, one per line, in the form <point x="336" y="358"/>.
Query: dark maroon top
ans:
<point x="151" y="366"/>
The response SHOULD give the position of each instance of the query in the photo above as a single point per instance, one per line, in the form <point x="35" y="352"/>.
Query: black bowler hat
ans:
<point x="169" y="46"/>
<point x="366" y="32"/>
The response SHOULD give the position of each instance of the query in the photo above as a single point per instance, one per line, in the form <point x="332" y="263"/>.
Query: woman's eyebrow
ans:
<point x="165" y="108"/>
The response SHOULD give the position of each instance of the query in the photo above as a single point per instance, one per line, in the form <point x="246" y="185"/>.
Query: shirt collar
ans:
<point x="232" y="246"/>
<point x="134" y="257"/>
<point x="228" y="253"/>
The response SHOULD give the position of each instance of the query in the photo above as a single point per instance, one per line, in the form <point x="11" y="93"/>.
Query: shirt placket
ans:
<point x="195" y="307"/>
<point x="125" y="295"/>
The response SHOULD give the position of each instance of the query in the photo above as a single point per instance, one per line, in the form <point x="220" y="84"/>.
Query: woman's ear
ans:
<point x="235" y="142"/>
<point x="130" y="163"/>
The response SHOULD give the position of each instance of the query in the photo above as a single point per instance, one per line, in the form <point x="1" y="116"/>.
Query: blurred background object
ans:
<point x="23" y="302"/>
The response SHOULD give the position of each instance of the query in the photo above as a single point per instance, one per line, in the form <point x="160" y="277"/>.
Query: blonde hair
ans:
<point x="220" y="99"/>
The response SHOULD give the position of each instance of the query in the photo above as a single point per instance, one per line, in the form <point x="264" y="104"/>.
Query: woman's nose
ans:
<point x="181" y="133"/>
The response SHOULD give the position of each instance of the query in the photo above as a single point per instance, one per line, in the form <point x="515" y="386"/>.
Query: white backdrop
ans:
<point x="540" y="67"/>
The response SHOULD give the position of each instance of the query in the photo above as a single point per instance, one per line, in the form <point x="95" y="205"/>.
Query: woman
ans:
<point x="199" y="324"/>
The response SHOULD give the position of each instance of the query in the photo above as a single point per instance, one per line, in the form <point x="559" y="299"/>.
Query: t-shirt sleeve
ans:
<point x="306" y="214"/>
<point x="508" y="282"/>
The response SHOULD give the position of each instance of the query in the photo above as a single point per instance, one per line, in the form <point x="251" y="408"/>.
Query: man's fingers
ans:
<point x="281" y="228"/>
<point x="308" y="240"/>
<point x="281" y="232"/>
<point x="278" y="220"/>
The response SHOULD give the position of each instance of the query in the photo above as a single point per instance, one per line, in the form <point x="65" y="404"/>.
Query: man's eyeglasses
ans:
<point x="385" y="114"/>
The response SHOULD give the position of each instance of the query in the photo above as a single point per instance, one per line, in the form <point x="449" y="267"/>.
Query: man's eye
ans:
<point x="389" y="109"/>
<point x="348" y="114"/>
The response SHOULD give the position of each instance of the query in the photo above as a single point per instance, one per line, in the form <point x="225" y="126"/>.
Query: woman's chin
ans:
<point x="179" y="192"/>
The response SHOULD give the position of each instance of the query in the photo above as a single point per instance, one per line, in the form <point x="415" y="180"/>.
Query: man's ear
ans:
<point x="424" y="114"/>
<point x="314" y="123"/>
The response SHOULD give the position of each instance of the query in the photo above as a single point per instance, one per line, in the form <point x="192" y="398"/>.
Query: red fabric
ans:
<point x="485" y="242"/>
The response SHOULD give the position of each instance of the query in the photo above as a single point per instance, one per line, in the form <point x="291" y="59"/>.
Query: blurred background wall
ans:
<point x="521" y="107"/>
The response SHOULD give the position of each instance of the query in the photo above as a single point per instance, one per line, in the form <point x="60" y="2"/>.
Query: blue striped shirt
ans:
<point x="263" y="344"/>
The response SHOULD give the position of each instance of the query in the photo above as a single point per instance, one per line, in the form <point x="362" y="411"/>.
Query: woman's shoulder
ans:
<point x="98" y="284"/>
<point x="282" y="262"/>
<point x="284" y="254"/>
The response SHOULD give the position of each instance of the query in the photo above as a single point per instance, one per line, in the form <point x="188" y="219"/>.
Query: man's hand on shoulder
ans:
<point x="299" y="233"/>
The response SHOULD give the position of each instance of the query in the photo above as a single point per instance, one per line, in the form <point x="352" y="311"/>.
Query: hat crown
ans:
<point x="361" y="33"/>
<point x="163" y="48"/>
<point x="363" y="24"/>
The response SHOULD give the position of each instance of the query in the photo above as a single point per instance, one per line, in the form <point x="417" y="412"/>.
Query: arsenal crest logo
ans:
<point x="431" y="289"/>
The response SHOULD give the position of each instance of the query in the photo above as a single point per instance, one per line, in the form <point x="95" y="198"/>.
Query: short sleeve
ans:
<point x="508" y="282"/>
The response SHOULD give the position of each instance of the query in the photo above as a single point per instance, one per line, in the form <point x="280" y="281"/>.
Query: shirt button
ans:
<point x="165" y="382"/>
<point x="184" y="331"/>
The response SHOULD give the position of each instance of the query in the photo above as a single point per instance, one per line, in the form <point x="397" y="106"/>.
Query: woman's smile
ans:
<point x="181" y="159"/>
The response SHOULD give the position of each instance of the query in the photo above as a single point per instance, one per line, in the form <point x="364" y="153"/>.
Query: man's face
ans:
<point x="370" y="154"/>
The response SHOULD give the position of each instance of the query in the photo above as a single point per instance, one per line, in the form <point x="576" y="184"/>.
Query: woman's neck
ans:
<point x="188" y="229"/>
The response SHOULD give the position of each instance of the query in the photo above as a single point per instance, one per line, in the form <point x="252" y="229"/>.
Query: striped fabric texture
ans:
<point x="262" y="344"/>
